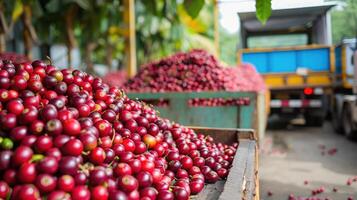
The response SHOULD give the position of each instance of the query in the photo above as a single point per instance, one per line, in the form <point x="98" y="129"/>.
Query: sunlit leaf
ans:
<point x="193" y="7"/>
<point x="263" y="8"/>
<point x="18" y="10"/>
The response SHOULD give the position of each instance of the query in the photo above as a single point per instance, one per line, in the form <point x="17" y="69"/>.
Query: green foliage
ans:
<point x="344" y="22"/>
<point x="263" y="8"/>
<point x="168" y="27"/>
<point x="193" y="7"/>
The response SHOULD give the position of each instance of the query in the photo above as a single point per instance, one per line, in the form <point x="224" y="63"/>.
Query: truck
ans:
<point x="293" y="52"/>
<point x="344" y="99"/>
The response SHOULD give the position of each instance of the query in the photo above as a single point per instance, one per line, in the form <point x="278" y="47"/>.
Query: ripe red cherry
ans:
<point x="199" y="161"/>
<point x="97" y="155"/>
<point x="57" y="194"/>
<point x="10" y="176"/>
<point x="104" y="127"/>
<point x="29" y="115"/>
<point x="181" y="193"/>
<point x="80" y="192"/>
<point x="125" y="115"/>
<point x="15" y="107"/>
<point x="99" y="193"/>
<point x="83" y="110"/>
<point x="45" y="183"/>
<point x="105" y="142"/>
<point x="48" y="112"/>
<point x="122" y="169"/>
<point x="63" y="115"/>
<point x="27" y="192"/>
<point x="43" y="143"/>
<point x="89" y="141"/>
<point x="53" y="127"/>
<point x="26" y="173"/>
<point x="149" y="192"/>
<point x="68" y="165"/>
<point x="173" y="155"/>
<point x="48" y="165"/>
<point x="222" y="172"/>
<point x="97" y="176"/>
<point x="147" y="165"/>
<point x="129" y="145"/>
<point x="196" y="187"/>
<point x="66" y="183"/>
<point x="18" y="82"/>
<point x="126" y="156"/>
<point x="128" y="183"/>
<point x="4" y="190"/>
<point x="153" y="129"/>
<point x="5" y="158"/>
<point x="165" y="195"/>
<point x="71" y="127"/>
<point x="181" y="173"/>
<point x="21" y="155"/>
<point x="134" y="195"/>
<point x="117" y="194"/>
<point x="194" y="170"/>
<point x="8" y="121"/>
<point x="145" y="179"/>
<point x="73" y="147"/>
<point x="109" y="115"/>
<point x="140" y="147"/>
<point x="135" y="165"/>
<point x="156" y="175"/>
<point x="211" y="177"/>
<point x="4" y="82"/>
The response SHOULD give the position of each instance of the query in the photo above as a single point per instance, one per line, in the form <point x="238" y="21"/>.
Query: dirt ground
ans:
<point x="291" y="156"/>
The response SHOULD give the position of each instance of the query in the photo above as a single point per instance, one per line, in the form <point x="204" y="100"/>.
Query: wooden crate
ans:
<point x="179" y="111"/>
<point x="242" y="182"/>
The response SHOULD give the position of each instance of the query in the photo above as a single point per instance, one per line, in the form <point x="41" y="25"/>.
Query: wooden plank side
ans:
<point x="226" y="135"/>
<point x="257" y="184"/>
<point x="249" y="191"/>
<point x="233" y="189"/>
<point x="189" y="95"/>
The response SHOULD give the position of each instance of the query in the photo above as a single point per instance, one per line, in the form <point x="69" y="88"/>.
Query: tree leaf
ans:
<point x="193" y="7"/>
<point x="18" y="10"/>
<point x="263" y="8"/>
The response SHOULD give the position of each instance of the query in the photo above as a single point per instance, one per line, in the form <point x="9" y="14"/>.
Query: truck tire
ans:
<point x="347" y="122"/>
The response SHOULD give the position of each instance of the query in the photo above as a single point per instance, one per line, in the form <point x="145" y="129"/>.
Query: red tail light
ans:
<point x="308" y="91"/>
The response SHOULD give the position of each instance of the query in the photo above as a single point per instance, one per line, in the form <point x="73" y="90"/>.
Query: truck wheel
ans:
<point x="312" y="120"/>
<point x="347" y="122"/>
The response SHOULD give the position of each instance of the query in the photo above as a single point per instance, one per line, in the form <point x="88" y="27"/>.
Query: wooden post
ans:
<point x="3" y="29"/>
<point x="216" y="26"/>
<point x="130" y="46"/>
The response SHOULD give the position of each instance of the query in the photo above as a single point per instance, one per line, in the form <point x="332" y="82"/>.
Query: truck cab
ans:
<point x="292" y="51"/>
<point x="344" y="99"/>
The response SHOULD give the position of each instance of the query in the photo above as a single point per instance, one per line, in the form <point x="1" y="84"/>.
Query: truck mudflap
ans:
<point x="296" y="103"/>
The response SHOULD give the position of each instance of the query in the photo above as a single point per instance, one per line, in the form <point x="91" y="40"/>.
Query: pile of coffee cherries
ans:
<point x="196" y="71"/>
<point x="116" y="78"/>
<point x="67" y="135"/>
<point x="14" y="57"/>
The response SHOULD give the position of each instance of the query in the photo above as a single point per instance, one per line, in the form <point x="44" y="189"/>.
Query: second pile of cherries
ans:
<point x="67" y="135"/>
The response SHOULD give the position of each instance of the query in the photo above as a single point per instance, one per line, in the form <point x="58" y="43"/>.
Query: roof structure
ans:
<point x="286" y="19"/>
